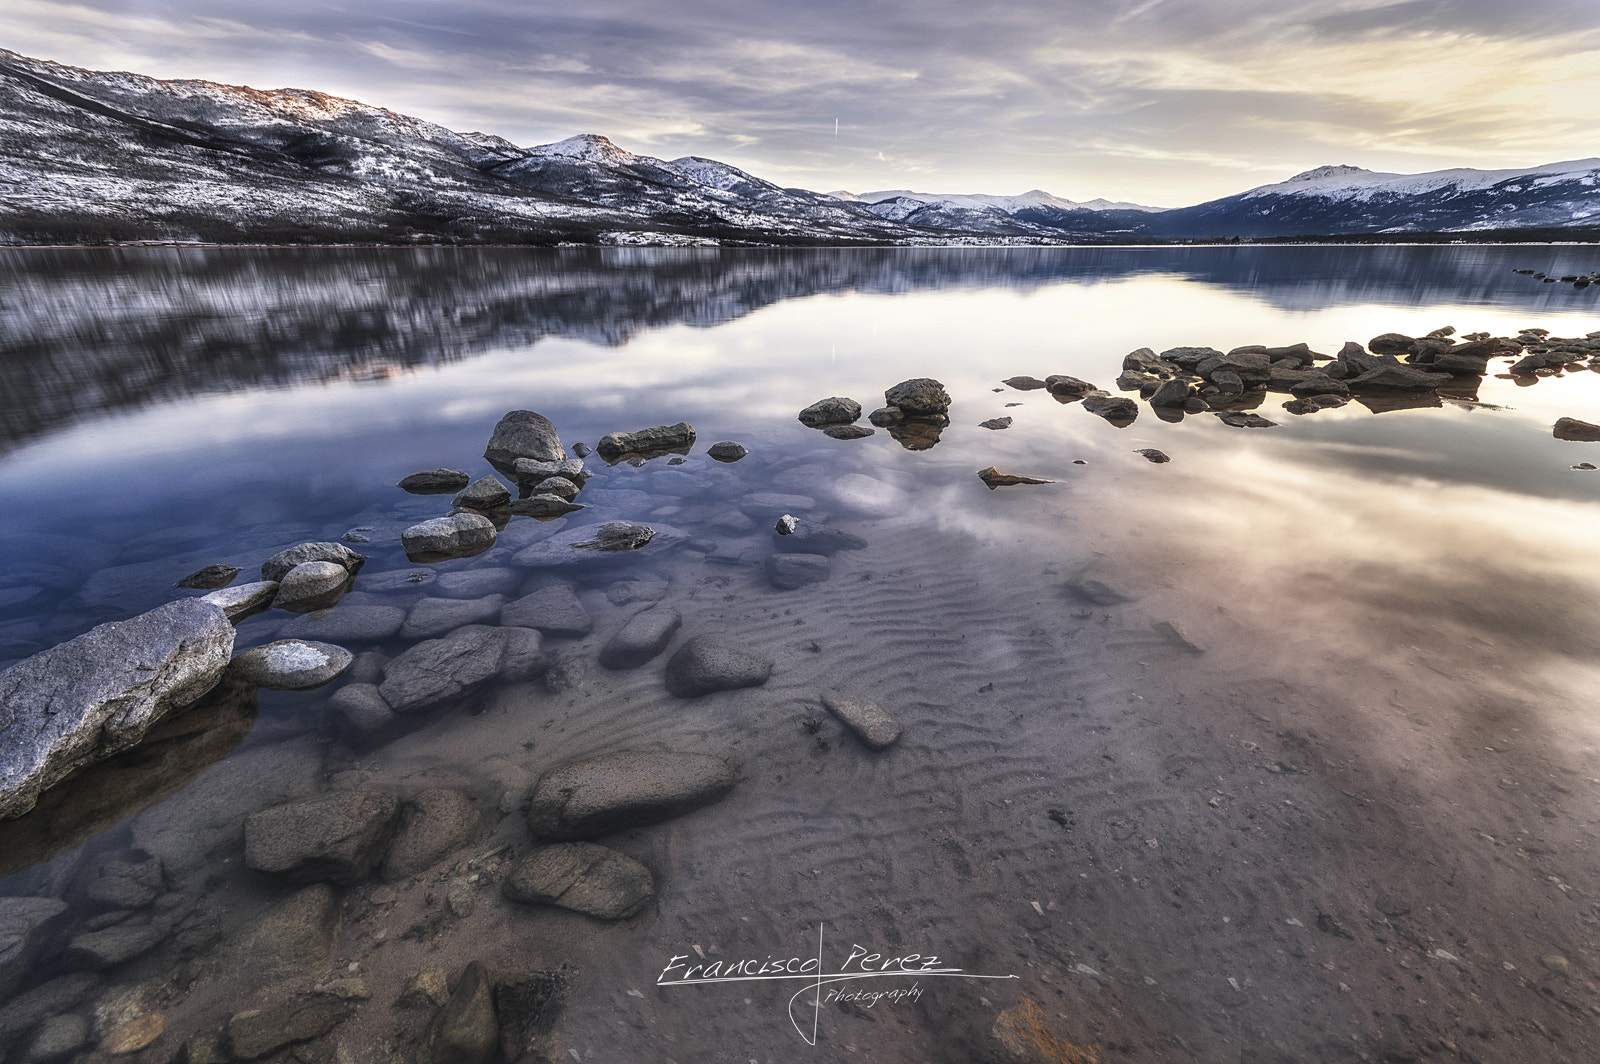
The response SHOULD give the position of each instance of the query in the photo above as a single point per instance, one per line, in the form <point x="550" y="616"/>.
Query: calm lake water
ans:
<point x="1309" y="772"/>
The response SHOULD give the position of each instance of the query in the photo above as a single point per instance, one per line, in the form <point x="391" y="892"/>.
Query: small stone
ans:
<point x="486" y="493"/>
<point x="919" y="397"/>
<point x="705" y="664"/>
<point x="1063" y="386"/>
<point x="436" y="670"/>
<point x="1158" y="457"/>
<point x="875" y="728"/>
<point x="618" y="536"/>
<point x="1174" y="634"/>
<point x="435" y="482"/>
<point x="993" y="478"/>
<point x="1024" y="384"/>
<point x="848" y="432"/>
<point x="995" y="423"/>
<point x="544" y="504"/>
<point x="311" y="586"/>
<point x="445" y="534"/>
<point x="1241" y="419"/>
<point x="786" y="525"/>
<point x="582" y="877"/>
<point x="1570" y="428"/>
<point x="210" y="578"/>
<point x="560" y="487"/>
<point x="466" y="1030"/>
<point x="582" y="450"/>
<point x="1119" y="410"/>
<point x="134" y="1035"/>
<point x="639" y="641"/>
<point x="727" y="451"/>
<point x="1389" y="905"/>
<point x="428" y="989"/>
<point x="1584" y="466"/>
<point x="290" y="665"/>
<point x="836" y="410"/>
<point x="1556" y="963"/>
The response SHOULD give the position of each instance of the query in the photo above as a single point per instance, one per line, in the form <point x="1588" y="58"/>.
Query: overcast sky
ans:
<point x="1165" y="102"/>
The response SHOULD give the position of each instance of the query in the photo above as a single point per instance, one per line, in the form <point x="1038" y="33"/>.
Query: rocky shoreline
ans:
<point x="80" y="978"/>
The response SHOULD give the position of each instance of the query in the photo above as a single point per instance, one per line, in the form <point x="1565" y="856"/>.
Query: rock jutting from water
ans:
<point x="1570" y="428"/>
<point x="523" y="434"/>
<point x="995" y="423"/>
<point x="993" y="478"/>
<point x="290" y="665"/>
<point x="727" y="451"/>
<point x="243" y="600"/>
<point x="658" y="439"/>
<point x="97" y="694"/>
<point x="210" y="578"/>
<point x="279" y="565"/>
<point x="847" y="432"/>
<point x="618" y="536"/>
<point x="311" y="586"/>
<point x="835" y="410"/>
<point x="435" y="482"/>
<point x="485" y="493"/>
<point x="442" y="535"/>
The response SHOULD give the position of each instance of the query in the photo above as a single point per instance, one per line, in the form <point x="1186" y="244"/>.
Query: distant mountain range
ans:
<point x="91" y="157"/>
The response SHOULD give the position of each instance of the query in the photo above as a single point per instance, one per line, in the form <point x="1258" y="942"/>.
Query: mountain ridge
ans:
<point x="95" y="157"/>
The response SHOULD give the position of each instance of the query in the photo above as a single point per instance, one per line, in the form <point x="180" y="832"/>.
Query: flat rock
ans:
<point x="645" y="635"/>
<point x="99" y="950"/>
<point x="582" y="877"/>
<point x="125" y="881"/>
<point x="543" y="504"/>
<point x="1243" y="419"/>
<point x="525" y="656"/>
<point x="57" y="1038"/>
<point x="57" y="997"/>
<point x="847" y="432"/>
<point x="485" y="493"/>
<point x="1060" y="384"/>
<point x="1117" y="409"/>
<point x="297" y="935"/>
<point x="1024" y="384"/>
<point x="918" y="397"/>
<point x="835" y="410"/>
<point x="210" y="578"/>
<point x="553" y="609"/>
<point x="648" y="590"/>
<point x="347" y="623"/>
<point x="727" y="451"/>
<point x="26" y="927"/>
<point x="523" y="434"/>
<point x="337" y="837"/>
<point x="442" y="535"/>
<point x="995" y="423"/>
<point x="476" y="583"/>
<point x="256" y="1033"/>
<point x="290" y="665"/>
<point x="993" y="478"/>
<point x="1570" y="428"/>
<point x="787" y="572"/>
<point x="560" y="549"/>
<point x="98" y="694"/>
<point x="705" y="664"/>
<point x="875" y="728"/>
<point x="466" y="1030"/>
<point x="278" y="566"/>
<point x="615" y="445"/>
<point x="311" y="586"/>
<point x="242" y="601"/>
<point x="1151" y="454"/>
<point x="434" y="824"/>
<point x="560" y="487"/>
<point x="435" y="482"/>
<point x="435" y="670"/>
<point x="598" y="795"/>
<point x="535" y="471"/>
<point x="434" y="617"/>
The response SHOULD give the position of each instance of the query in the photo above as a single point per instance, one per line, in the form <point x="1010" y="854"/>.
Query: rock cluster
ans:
<point x="915" y="414"/>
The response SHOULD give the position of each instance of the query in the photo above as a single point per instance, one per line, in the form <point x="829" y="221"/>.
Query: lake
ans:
<point x="1284" y="749"/>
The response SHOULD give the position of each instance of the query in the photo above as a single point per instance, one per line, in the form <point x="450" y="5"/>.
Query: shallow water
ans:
<point x="1178" y="855"/>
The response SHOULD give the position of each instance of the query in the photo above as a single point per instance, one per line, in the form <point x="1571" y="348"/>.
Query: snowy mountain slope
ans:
<point x="1334" y="200"/>
<point x="88" y="157"/>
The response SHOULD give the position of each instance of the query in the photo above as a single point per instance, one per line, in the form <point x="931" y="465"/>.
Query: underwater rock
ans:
<point x="875" y="728"/>
<point x="583" y="877"/>
<point x="210" y="578"/>
<point x="598" y="795"/>
<point x="704" y="664"/>
<point x="645" y="635"/>
<point x="290" y="665"/>
<point x="435" y="482"/>
<point x="337" y="837"/>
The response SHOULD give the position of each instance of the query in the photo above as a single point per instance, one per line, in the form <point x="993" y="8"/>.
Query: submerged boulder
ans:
<point x="703" y="665"/>
<point x="291" y="664"/>
<point x="598" y="795"/>
<point x="582" y="877"/>
<point x="97" y="695"/>
<point x="338" y="837"/>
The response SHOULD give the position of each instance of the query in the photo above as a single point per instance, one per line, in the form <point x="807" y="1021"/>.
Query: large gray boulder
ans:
<point x="597" y="795"/>
<point x="443" y="534"/>
<point x="836" y="410"/>
<point x="677" y="437"/>
<point x="98" y="694"/>
<point x="435" y="670"/>
<point x="278" y="566"/>
<point x="523" y="434"/>
<point x="583" y="877"/>
<point x="703" y="665"/>
<point x="291" y="665"/>
<point x="918" y="397"/>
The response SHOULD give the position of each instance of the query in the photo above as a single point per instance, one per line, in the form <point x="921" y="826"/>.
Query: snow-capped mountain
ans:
<point x="91" y="157"/>
<point x="1332" y="200"/>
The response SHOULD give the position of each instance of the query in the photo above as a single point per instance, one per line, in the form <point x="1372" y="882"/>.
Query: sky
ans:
<point x="1161" y="102"/>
